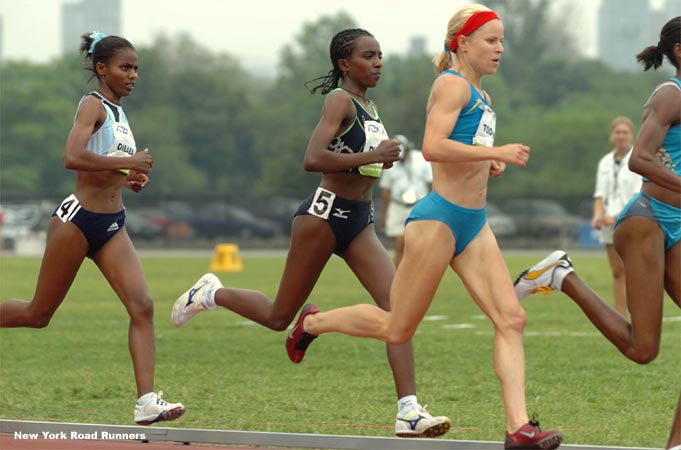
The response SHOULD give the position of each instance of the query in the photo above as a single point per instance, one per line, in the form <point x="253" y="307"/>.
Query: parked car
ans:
<point x="542" y="218"/>
<point x="224" y="220"/>
<point x="501" y="223"/>
<point x="278" y="209"/>
<point x="26" y="218"/>
<point x="140" y="226"/>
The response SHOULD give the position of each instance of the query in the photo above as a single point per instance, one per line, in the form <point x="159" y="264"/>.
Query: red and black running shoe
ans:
<point x="298" y="339"/>
<point x="530" y="436"/>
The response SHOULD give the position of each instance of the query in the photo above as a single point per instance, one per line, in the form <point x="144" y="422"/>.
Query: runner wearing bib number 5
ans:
<point x="90" y="223"/>
<point x="350" y="147"/>
<point x="448" y="227"/>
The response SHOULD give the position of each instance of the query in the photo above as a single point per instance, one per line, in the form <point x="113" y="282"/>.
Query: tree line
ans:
<point x="218" y="132"/>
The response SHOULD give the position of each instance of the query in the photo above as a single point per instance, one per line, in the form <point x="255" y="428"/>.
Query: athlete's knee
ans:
<point x="38" y="318"/>
<point x="513" y="320"/>
<point x="141" y="307"/>
<point x="643" y="354"/>
<point x="397" y="336"/>
<point x="278" y="323"/>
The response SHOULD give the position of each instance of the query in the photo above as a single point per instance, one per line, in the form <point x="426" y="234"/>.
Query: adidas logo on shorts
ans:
<point x="113" y="227"/>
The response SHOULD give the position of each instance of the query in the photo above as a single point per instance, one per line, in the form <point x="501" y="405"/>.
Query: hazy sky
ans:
<point x="255" y="30"/>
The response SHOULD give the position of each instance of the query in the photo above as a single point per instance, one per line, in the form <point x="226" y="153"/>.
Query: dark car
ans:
<point x="501" y="223"/>
<point x="141" y="226"/>
<point x="279" y="209"/>
<point x="542" y="218"/>
<point x="224" y="220"/>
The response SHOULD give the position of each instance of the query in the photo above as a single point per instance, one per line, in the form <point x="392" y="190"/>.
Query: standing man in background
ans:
<point x="409" y="180"/>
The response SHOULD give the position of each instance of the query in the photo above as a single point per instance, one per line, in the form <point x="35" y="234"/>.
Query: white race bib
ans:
<point x="68" y="208"/>
<point x="322" y="203"/>
<point x="124" y="142"/>
<point x="484" y="135"/>
<point x="375" y="133"/>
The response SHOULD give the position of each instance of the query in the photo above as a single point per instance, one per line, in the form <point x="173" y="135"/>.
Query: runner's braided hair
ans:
<point x="341" y="47"/>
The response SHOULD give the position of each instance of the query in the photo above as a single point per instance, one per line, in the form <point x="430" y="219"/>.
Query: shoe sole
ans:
<point x="165" y="416"/>
<point x="434" y="431"/>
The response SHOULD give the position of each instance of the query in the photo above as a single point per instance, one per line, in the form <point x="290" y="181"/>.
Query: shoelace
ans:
<point x="159" y="400"/>
<point x="534" y="422"/>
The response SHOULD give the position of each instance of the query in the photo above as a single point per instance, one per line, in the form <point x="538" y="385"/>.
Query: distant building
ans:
<point x="88" y="15"/>
<point x="417" y="46"/>
<point x="2" y="39"/>
<point x="625" y="27"/>
<point x="669" y="10"/>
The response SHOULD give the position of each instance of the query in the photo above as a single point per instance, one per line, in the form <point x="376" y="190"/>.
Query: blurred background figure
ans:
<point x="615" y="186"/>
<point x="406" y="182"/>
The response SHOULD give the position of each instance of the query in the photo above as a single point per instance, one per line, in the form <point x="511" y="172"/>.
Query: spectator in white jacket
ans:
<point x="615" y="186"/>
<point x="409" y="180"/>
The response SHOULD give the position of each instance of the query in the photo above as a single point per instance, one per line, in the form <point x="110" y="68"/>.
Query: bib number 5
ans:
<point x="322" y="203"/>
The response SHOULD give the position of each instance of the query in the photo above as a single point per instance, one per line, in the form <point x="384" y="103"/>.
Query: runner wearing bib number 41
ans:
<point x="350" y="147"/>
<point x="90" y="222"/>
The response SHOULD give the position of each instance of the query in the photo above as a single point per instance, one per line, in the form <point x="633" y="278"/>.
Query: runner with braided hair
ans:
<point x="349" y="147"/>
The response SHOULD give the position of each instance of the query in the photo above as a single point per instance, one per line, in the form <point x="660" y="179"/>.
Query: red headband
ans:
<point x="474" y="22"/>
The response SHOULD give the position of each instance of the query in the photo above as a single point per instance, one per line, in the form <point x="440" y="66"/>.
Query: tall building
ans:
<point x="88" y="15"/>
<point x="669" y="10"/>
<point x="625" y="27"/>
<point x="2" y="38"/>
<point x="417" y="45"/>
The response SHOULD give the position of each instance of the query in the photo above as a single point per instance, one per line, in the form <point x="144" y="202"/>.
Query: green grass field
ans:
<point x="234" y="375"/>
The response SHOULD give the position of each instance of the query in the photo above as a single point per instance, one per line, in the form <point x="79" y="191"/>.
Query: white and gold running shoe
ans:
<point x="546" y="276"/>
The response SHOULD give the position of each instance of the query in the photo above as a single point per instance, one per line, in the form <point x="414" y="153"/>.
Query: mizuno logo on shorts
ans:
<point x="341" y="213"/>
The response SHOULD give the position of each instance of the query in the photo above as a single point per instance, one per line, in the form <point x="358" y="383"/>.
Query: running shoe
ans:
<point x="419" y="423"/>
<point x="155" y="409"/>
<point x="530" y="436"/>
<point x="542" y="276"/>
<point x="298" y="339"/>
<point x="191" y="302"/>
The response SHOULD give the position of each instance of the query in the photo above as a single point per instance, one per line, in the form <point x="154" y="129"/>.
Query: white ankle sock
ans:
<point x="560" y="274"/>
<point x="406" y="404"/>
<point x="209" y="296"/>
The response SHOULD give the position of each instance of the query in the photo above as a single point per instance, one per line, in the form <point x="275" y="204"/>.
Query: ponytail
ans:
<point x="653" y="55"/>
<point x="443" y="61"/>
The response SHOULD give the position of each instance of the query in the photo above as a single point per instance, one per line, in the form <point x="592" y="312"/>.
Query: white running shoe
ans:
<point x="191" y="302"/>
<point x="419" y="423"/>
<point x="542" y="276"/>
<point x="155" y="409"/>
